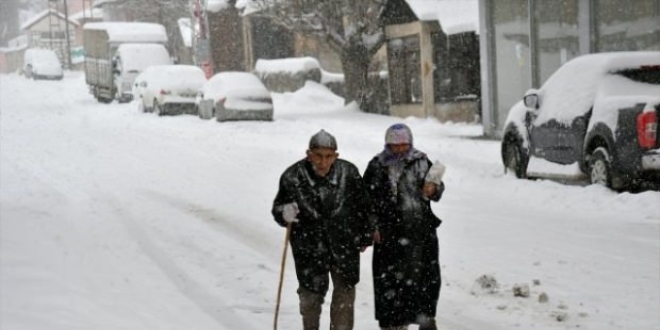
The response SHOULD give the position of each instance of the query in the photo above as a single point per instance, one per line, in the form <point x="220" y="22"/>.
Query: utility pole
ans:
<point x="68" y="39"/>
<point x="54" y="9"/>
<point x="201" y="44"/>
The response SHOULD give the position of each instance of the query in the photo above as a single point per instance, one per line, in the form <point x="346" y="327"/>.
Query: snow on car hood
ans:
<point x="235" y="85"/>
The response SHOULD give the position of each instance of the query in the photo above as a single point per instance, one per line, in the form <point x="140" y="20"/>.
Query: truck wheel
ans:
<point x="514" y="161"/>
<point x="600" y="168"/>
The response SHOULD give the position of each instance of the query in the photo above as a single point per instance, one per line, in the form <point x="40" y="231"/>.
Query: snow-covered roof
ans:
<point x="454" y="16"/>
<point x="185" y="28"/>
<point x="19" y="42"/>
<point x="245" y="7"/>
<point x="12" y="48"/>
<point x="217" y="5"/>
<point x="43" y="14"/>
<point x="87" y="13"/>
<point x="130" y="31"/>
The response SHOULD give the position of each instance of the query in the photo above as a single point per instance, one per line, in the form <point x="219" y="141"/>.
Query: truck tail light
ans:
<point x="165" y="92"/>
<point x="647" y="129"/>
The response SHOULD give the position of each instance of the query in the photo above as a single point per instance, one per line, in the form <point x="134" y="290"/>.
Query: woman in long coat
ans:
<point x="401" y="182"/>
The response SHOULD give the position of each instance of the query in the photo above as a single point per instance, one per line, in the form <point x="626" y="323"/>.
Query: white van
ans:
<point x="129" y="61"/>
<point x="42" y="64"/>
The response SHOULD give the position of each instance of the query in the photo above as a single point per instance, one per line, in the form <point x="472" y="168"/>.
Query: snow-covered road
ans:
<point x="115" y="219"/>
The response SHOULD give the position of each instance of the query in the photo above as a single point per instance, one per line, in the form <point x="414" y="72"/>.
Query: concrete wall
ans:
<point x="466" y="111"/>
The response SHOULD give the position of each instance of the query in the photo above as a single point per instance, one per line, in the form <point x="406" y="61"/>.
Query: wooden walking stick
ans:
<point x="279" y="288"/>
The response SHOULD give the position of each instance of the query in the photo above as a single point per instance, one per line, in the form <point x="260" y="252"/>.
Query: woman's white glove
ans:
<point x="435" y="173"/>
<point x="290" y="212"/>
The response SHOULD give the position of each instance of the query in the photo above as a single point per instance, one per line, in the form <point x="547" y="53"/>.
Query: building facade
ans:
<point x="48" y="29"/>
<point x="432" y="60"/>
<point x="522" y="42"/>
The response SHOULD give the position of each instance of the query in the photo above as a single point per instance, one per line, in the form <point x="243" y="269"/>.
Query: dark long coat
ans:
<point x="406" y="269"/>
<point x="333" y="222"/>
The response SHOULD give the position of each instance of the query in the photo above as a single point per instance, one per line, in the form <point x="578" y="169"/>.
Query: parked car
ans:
<point x="598" y="113"/>
<point x="235" y="96"/>
<point x="168" y="89"/>
<point x="42" y="64"/>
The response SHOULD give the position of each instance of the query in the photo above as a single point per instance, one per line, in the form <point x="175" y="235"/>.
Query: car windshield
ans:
<point x="645" y="74"/>
<point x="45" y="57"/>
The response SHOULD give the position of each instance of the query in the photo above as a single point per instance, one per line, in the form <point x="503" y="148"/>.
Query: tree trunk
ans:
<point x="355" y="60"/>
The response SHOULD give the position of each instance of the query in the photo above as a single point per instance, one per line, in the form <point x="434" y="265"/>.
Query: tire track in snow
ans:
<point x="217" y="221"/>
<point x="196" y="293"/>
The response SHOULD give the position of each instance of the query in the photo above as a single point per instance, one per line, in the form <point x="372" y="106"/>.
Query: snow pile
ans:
<point x="217" y="5"/>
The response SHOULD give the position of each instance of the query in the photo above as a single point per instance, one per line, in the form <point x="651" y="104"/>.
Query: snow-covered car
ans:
<point x="168" y="89"/>
<point x="596" y="117"/>
<point x="42" y="64"/>
<point x="235" y="96"/>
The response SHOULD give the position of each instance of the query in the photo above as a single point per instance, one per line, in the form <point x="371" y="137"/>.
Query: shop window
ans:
<point x="456" y="73"/>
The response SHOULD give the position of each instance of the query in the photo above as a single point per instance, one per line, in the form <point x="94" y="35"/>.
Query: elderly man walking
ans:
<point x="324" y="200"/>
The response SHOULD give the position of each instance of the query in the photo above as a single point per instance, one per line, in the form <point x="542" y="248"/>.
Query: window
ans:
<point x="456" y="59"/>
<point x="512" y="65"/>
<point x="53" y="35"/>
<point x="646" y="75"/>
<point x="405" y="74"/>
<point x="557" y="35"/>
<point x="624" y="25"/>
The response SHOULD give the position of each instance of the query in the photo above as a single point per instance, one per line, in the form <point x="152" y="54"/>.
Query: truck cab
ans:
<point x="130" y="60"/>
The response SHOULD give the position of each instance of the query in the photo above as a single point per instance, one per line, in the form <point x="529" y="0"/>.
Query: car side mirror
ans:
<point x="531" y="101"/>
